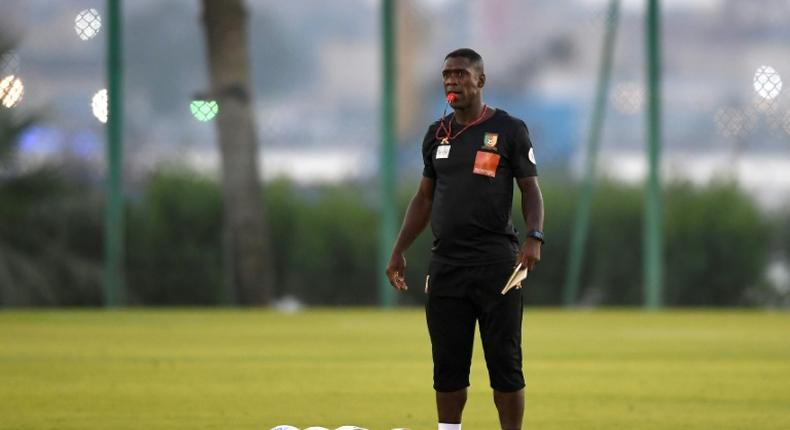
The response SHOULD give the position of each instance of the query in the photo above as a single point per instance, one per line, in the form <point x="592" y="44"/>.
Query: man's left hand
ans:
<point x="530" y="253"/>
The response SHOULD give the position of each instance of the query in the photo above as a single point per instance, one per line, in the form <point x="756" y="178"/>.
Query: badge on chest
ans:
<point x="486" y="163"/>
<point x="442" y="151"/>
<point x="487" y="159"/>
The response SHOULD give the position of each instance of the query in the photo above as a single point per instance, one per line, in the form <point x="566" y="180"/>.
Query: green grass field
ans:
<point x="253" y="369"/>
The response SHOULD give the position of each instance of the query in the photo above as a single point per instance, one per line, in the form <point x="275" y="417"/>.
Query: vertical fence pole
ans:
<point x="387" y="192"/>
<point x="652" y="242"/>
<point x="581" y="226"/>
<point x="113" y="217"/>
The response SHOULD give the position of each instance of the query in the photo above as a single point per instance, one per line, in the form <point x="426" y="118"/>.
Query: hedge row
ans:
<point x="325" y="245"/>
<point x="325" y="242"/>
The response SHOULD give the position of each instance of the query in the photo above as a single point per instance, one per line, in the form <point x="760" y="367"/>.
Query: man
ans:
<point x="470" y="162"/>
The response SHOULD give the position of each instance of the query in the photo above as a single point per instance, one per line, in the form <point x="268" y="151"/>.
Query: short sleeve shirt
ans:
<point x="471" y="213"/>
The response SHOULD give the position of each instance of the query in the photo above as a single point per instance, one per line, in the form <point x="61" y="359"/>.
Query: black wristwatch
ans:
<point x="537" y="235"/>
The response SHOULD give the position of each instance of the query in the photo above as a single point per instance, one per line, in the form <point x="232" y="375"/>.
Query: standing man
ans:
<point x="466" y="192"/>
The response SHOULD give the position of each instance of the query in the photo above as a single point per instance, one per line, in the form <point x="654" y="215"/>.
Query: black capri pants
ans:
<point x="458" y="298"/>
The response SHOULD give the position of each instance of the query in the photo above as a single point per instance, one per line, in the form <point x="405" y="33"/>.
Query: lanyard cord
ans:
<point x="448" y="129"/>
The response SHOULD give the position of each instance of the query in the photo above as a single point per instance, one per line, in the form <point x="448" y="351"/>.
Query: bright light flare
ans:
<point x="204" y="110"/>
<point x="11" y="91"/>
<point x="767" y="82"/>
<point x="87" y="24"/>
<point x="99" y="105"/>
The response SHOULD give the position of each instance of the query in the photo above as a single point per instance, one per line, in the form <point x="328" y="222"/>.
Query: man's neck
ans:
<point x="466" y="115"/>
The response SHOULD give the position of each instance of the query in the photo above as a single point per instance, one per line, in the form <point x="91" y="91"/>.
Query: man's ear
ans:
<point x="481" y="80"/>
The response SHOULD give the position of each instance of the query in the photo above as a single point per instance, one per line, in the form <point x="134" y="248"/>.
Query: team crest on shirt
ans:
<point x="489" y="140"/>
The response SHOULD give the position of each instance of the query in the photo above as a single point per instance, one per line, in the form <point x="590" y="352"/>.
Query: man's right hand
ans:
<point x="395" y="271"/>
<point x="417" y="217"/>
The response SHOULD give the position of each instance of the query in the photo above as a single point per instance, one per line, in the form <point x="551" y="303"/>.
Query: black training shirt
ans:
<point x="471" y="213"/>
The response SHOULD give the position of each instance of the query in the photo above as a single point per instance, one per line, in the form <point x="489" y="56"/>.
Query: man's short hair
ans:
<point x="469" y="54"/>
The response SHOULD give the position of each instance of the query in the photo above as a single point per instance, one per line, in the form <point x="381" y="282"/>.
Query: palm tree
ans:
<point x="246" y="238"/>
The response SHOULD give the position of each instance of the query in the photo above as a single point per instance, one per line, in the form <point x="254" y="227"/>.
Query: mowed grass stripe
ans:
<point x="252" y="369"/>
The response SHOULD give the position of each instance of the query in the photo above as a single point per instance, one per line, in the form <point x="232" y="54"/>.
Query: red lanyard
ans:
<point x="448" y="129"/>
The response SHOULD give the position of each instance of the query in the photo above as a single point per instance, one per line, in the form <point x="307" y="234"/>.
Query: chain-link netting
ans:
<point x="11" y="91"/>
<point x="767" y="82"/>
<point x="315" y="90"/>
<point x="9" y="63"/>
<point x="204" y="110"/>
<point x="87" y="24"/>
<point x="732" y="122"/>
<point x="628" y="98"/>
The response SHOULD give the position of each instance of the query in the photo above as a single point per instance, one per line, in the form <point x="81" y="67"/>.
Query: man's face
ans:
<point x="461" y="77"/>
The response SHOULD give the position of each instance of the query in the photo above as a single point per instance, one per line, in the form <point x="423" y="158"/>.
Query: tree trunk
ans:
<point x="246" y="239"/>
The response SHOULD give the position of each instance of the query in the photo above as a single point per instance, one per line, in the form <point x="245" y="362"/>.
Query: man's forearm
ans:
<point x="532" y="207"/>
<point x="417" y="216"/>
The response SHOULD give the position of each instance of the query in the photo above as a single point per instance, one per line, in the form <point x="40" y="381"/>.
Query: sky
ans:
<point x="628" y="4"/>
<point x="667" y="4"/>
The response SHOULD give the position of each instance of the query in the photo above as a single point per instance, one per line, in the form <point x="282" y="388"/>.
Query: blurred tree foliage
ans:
<point x="783" y="226"/>
<point x="174" y="242"/>
<point x="50" y="237"/>
<point x="324" y="238"/>
<point x="716" y="245"/>
<point x="324" y="242"/>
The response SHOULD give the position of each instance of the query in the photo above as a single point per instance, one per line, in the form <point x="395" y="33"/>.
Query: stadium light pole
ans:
<point x="113" y="216"/>
<point x="387" y="192"/>
<point x="652" y="242"/>
<point x="582" y="223"/>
